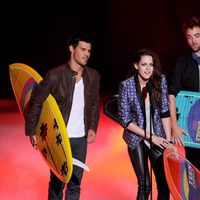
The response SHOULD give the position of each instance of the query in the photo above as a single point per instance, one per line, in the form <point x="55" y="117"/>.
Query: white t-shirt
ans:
<point x="75" y="126"/>
<point x="147" y="112"/>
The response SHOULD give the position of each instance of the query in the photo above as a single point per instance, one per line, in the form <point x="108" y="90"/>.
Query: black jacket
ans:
<point x="185" y="75"/>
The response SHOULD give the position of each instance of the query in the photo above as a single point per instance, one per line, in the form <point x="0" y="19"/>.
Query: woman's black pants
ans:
<point x="139" y="159"/>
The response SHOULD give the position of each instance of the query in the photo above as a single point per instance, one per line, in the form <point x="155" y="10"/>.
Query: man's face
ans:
<point x="193" y="38"/>
<point x="81" y="53"/>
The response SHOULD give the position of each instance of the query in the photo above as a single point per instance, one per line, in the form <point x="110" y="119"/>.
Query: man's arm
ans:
<point x="33" y="141"/>
<point x="91" y="136"/>
<point x="39" y="95"/>
<point x="95" y="110"/>
<point x="176" y="130"/>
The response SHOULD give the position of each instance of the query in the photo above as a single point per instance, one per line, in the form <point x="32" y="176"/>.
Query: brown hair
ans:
<point x="191" y="23"/>
<point x="155" y="79"/>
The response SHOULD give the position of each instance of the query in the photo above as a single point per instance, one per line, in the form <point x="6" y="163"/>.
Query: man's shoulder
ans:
<point x="56" y="73"/>
<point x="185" y="56"/>
<point x="59" y="68"/>
<point x="185" y="60"/>
<point x="92" y="71"/>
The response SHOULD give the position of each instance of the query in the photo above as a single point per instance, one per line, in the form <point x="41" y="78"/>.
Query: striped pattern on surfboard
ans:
<point x="182" y="177"/>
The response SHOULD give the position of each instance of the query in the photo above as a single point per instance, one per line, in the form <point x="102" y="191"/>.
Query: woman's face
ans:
<point x="145" y="67"/>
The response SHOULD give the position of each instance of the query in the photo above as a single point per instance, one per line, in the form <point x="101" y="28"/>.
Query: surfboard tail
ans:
<point x="80" y="164"/>
<point x="182" y="177"/>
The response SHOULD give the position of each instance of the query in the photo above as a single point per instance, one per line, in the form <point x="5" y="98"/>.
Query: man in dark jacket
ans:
<point x="75" y="88"/>
<point x="186" y="76"/>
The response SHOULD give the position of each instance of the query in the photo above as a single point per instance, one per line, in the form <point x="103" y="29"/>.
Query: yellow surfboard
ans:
<point x="52" y="137"/>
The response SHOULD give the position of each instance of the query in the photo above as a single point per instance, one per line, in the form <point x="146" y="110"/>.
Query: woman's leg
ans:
<point x="138" y="157"/>
<point x="158" y="168"/>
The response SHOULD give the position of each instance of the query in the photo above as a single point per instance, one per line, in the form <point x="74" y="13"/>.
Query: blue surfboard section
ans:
<point x="188" y="115"/>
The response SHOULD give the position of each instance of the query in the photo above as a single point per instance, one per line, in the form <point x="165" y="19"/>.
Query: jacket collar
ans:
<point x="74" y="73"/>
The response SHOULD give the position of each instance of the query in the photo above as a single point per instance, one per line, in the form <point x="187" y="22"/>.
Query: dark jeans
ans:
<point x="139" y="159"/>
<point x="79" y="150"/>
<point x="192" y="154"/>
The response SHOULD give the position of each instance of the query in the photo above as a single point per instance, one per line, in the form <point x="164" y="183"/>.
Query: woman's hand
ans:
<point x="161" y="142"/>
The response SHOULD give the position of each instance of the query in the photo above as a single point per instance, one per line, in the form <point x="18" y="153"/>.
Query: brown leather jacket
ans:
<point x="60" y="83"/>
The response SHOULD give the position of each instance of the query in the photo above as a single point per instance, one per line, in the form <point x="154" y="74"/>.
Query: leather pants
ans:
<point x="139" y="159"/>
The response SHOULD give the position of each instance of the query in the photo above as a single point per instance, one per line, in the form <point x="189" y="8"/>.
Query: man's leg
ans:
<point x="79" y="150"/>
<point x="56" y="187"/>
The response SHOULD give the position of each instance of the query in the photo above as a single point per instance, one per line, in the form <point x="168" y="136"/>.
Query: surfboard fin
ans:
<point x="80" y="164"/>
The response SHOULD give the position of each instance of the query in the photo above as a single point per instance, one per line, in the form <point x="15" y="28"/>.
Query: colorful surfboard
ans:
<point x="52" y="137"/>
<point x="182" y="177"/>
<point x="188" y="115"/>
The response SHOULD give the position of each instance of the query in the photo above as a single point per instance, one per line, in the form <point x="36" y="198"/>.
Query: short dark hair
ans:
<point x="191" y="23"/>
<point x="80" y="36"/>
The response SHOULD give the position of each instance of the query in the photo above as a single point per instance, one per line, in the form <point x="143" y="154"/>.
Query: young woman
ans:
<point x="144" y="113"/>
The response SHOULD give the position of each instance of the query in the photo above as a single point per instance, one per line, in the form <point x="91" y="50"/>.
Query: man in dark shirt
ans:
<point x="186" y="76"/>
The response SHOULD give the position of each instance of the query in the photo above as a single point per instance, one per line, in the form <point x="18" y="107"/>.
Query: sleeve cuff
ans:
<point x="128" y="124"/>
<point x="165" y="114"/>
